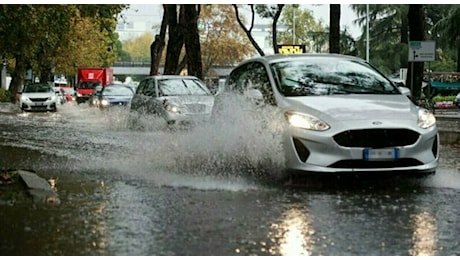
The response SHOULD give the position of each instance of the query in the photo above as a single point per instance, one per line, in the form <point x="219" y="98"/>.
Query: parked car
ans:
<point x="457" y="100"/>
<point x="177" y="99"/>
<point x="38" y="97"/>
<point x="340" y="114"/>
<point x="112" y="95"/>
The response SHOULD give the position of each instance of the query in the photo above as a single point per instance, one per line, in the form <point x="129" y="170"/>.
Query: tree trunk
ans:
<point x="274" y="30"/>
<point x="458" y="56"/>
<point x="404" y="40"/>
<point x="17" y="77"/>
<point x="334" y="28"/>
<point x="248" y="31"/>
<point x="190" y="13"/>
<point x="416" y="19"/>
<point x="157" y="46"/>
<point x="175" y="41"/>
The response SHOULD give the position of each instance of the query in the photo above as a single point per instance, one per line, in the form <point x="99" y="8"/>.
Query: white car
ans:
<point x="340" y="114"/>
<point x="38" y="97"/>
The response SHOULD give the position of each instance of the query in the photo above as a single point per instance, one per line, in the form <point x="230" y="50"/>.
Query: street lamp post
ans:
<point x="293" y="26"/>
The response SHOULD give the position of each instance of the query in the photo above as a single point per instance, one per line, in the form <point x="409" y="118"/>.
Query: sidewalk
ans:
<point x="448" y="122"/>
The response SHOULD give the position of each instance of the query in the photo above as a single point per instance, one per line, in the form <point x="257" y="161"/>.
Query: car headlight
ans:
<point x="79" y="95"/>
<point x="52" y="98"/>
<point x="305" y="121"/>
<point x="172" y="108"/>
<point x="25" y="99"/>
<point x="426" y="119"/>
<point x="104" y="103"/>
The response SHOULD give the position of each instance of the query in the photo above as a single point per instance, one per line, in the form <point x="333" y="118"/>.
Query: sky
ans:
<point x="153" y="13"/>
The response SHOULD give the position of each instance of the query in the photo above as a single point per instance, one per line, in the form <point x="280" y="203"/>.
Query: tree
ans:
<point x="138" y="47"/>
<point x="273" y="12"/>
<point x="157" y="46"/>
<point x="248" y="31"/>
<point x="33" y="45"/>
<point x="308" y="31"/>
<point x="449" y="27"/>
<point x="175" y="40"/>
<point x="192" y="39"/>
<point x="222" y="40"/>
<point x="334" y="28"/>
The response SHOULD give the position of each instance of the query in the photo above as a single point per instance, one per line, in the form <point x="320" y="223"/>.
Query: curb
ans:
<point x="37" y="187"/>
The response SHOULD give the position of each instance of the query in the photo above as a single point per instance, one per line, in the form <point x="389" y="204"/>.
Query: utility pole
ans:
<point x="367" y="32"/>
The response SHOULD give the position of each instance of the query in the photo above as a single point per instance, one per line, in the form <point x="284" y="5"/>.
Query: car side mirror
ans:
<point x="405" y="91"/>
<point x="254" y="94"/>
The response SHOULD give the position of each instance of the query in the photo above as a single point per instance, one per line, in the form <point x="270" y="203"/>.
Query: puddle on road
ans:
<point x="227" y="153"/>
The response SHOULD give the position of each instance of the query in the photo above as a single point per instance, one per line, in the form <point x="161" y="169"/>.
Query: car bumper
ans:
<point x="176" y="118"/>
<point x="38" y="106"/>
<point x="312" y="151"/>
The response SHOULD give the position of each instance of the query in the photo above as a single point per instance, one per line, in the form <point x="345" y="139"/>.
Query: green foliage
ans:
<point x="440" y="98"/>
<point x="5" y="95"/>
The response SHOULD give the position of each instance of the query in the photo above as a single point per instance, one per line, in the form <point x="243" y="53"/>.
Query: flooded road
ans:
<point x="207" y="191"/>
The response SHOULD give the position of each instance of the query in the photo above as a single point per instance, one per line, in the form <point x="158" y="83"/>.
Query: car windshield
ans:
<point x="181" y="87"/>
<point x="40" y="88"/>
<point x="321" y="76"/>
<point x="89" y="85"/>
<point x="117" y="91"/>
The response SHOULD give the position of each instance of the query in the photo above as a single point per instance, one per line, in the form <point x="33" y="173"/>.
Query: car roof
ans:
<point x="284" y="57"/>
<point x="171" y="77"/>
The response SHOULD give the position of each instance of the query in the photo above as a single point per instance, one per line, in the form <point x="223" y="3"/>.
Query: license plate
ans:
<point x="39" y="104"/>
<point x="387" y="154"/>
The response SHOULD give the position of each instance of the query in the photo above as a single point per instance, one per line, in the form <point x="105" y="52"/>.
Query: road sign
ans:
<point x="422" y="50"/>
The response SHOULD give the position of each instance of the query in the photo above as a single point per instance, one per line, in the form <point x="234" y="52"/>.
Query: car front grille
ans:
<point x="196" y="108"/>
<point x="361" y="164"/>
<point x="38" y="99"/>
<point x="376" y="138"/>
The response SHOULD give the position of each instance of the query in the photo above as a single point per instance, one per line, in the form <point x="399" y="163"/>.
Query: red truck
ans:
<point x="89" y="79"/>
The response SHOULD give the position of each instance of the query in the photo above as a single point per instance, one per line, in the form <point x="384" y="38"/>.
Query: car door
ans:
<point x="252" y="75"/>
<point x="139" y="101"/>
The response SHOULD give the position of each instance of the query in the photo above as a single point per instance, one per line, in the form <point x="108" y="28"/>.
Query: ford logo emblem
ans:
<point x="376" y="123"/>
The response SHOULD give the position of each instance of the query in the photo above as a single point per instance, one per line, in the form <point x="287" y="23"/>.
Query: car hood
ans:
<point x="192" y="104"/>
<point x="354" y="107"/>
<point x="185" y="100"/>
<point x="117" y="98"/>
<point x="38" y="94"/>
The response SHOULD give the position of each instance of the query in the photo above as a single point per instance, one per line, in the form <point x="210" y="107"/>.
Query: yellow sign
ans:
<point x="291" y="49"/>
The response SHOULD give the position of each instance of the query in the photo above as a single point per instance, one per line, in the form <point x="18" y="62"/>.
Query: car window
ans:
<point x="42" y="88"/>
<point x="252" y="75"/>
<point x="196" y="87"/>
<point x="322" y="77"/>
<point x="172" y="87"/>
<point x="146" y="87"/>
<point x="141" y="86"/>
<point x="117" y="91"/>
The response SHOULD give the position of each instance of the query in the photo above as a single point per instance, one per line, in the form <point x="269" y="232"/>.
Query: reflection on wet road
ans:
<point x="162" y="191"/>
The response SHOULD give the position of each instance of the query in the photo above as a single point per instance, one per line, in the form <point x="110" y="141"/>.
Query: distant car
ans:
<point x="457" y="100"/>
<point x="69" y="93"/>
<point x="38" y="97"/>
<point x="339" y="114"/>
<point x="112" y="95"/>
<point x="177" y="99"/>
